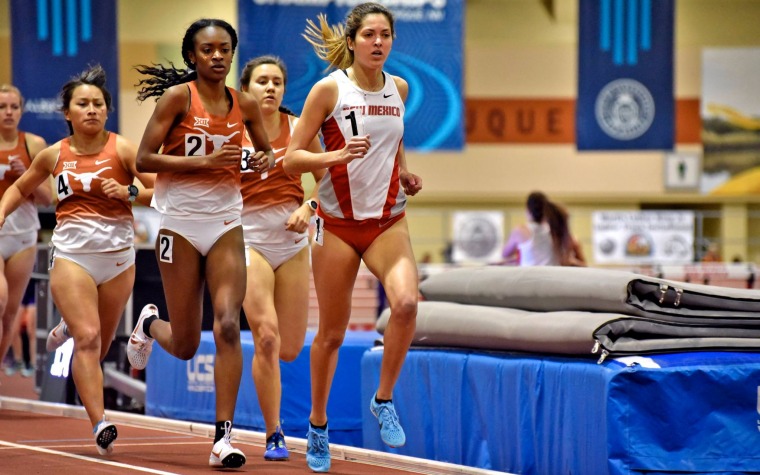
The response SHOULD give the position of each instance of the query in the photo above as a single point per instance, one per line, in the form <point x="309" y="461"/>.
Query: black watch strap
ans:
<point x="133" y="192"/>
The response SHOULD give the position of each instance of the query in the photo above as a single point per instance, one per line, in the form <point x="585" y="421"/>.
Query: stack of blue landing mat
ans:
<point x="557" y="370"/>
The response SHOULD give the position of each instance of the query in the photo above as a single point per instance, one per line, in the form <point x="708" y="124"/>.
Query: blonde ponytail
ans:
<point x="329" y="42"/>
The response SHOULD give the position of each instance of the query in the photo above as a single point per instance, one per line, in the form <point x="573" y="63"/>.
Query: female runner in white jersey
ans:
<point x="92" y="268"/>
<point x="359" y="109"/>
<point x="275" y="229"/>
<point x="18" y="238"/>
<point x="193" y="141"/>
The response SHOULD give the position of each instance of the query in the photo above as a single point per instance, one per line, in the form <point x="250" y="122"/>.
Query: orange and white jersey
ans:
<point x="212" y="191"/>
<point x="366" y="188"/>
<point x="87" y="219"/>
<point x="25" y="218"/>
<point x="274" y="186"/>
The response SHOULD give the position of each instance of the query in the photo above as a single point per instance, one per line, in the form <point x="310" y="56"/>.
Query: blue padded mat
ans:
<point x="544" y="415"/>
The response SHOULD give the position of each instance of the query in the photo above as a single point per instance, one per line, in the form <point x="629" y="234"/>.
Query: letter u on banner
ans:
<point x="625" y="75"/>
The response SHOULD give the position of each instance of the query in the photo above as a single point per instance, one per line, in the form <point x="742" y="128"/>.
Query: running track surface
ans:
<point x="56" y="439"/>
<point x="47" y="438"/>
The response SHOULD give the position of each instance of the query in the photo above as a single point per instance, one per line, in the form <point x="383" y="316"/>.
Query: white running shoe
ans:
<point x="223" y="454"/>
<point x="57" y="336"/>
<point x="105" y="435"/>
<point x="140" y="345"/>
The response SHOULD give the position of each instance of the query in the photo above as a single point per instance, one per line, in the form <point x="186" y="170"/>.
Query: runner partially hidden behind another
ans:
<point x="275" y="227"/>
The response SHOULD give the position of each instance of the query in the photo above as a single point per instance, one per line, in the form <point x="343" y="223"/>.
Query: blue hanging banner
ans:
<point x="427" y="53"/>
<point x="625" y="75"/>
<point x="53" y="40"/>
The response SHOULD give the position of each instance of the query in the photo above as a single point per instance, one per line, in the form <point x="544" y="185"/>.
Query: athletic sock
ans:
<point x="146" y="325"/>
<point x="324" y="427"/>
<point x="220" y="430"/>
<point x="381" y="401"/>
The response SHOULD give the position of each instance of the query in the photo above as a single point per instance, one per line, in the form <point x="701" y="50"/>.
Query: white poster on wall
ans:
<point x="643" y="237"/>
<point x="478" y="236"/>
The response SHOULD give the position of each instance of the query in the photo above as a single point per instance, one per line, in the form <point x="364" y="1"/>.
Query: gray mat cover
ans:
<point x="492" y="328"/>
<point x="569" y="310"/>
<point x="447" y="324"/>
<point x="554" y="288"/>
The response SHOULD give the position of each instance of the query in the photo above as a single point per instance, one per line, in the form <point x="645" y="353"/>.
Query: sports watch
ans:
<point x="133" y="192"/>
<point x="312" y="204"/>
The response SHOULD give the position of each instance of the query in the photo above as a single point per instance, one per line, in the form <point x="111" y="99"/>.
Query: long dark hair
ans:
<point x="245" y="75"/>
<point x="92" y="76"/>
<point x="162" y="77"/>
<point x="542" y="209"/>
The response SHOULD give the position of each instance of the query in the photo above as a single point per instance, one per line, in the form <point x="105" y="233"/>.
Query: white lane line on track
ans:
<point x="121" y="440"/>
<point x="86" y="459"/>
<point x="74" y="445"/>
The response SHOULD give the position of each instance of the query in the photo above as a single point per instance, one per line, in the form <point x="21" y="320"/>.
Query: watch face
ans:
<point x="313" y="204"/>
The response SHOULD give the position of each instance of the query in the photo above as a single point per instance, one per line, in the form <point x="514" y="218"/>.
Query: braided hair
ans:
<point x="163" y="77"/>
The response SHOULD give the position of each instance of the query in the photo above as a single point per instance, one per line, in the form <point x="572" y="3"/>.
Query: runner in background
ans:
<point x="275" y="227"/>
<point x="18" y="238"/>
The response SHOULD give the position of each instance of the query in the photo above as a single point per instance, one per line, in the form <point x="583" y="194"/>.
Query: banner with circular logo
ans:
<point x="625" y="75"/>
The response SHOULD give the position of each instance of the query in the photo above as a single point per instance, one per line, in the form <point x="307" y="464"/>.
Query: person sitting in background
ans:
<point x="545" y="240"/>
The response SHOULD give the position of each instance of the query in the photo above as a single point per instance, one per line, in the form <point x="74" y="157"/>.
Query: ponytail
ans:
<point x="162" y="77"/>
<point x="329" y="42"/>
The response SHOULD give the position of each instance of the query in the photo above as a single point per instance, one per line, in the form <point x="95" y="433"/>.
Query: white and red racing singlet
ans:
<point x="366" y="188"/>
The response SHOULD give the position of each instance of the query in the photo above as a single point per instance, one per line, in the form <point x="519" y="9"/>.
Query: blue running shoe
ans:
<point x="276" y="448"/>
<point x="390" y="427"/>
<point x="317" y="450"/>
